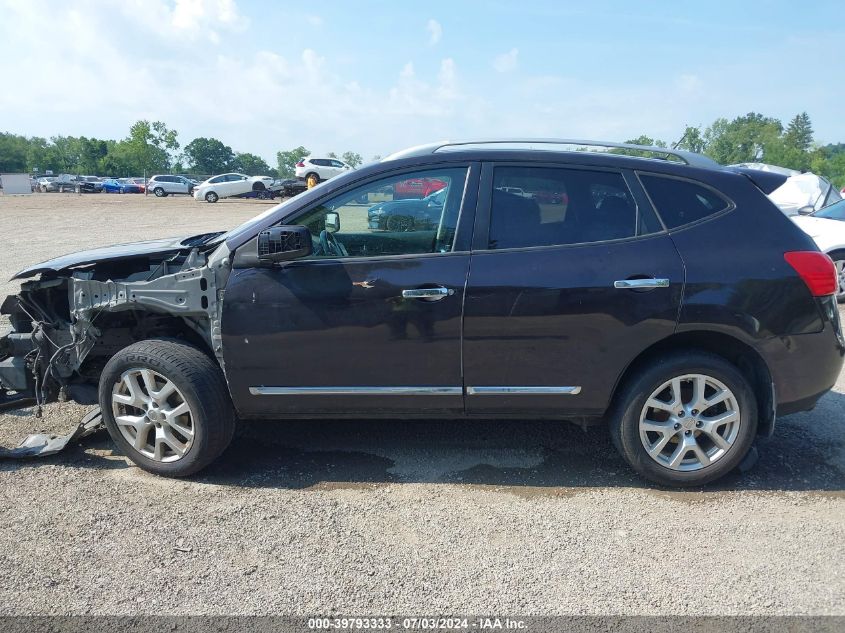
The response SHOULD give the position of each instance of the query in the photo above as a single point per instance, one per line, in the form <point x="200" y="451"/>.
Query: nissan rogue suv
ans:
<point x="664" y="296"/>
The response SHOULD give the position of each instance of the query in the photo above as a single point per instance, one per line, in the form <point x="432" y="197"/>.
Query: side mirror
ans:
<point x="332" y="222"/>
<point x="283" y="243"/>
<point x="805" y="210"/>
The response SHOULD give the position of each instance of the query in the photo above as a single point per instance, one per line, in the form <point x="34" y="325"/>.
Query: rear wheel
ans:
<point x="312" y="180"/>
<point x="159" y="192"/>
<point x="838" y="258"/>
<point x="211" y="197"/>
<point x="166" y="406"/>
<point x="687" y="419"/>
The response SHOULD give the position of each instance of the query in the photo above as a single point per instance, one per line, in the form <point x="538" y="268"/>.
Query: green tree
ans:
<point x="13" y="153"/>
<point x="352" y="158"/>
<point x="209" y="156"/>
<point x="148" y="147"/>
<point x="642" y="139"/>
<point x="250" y="164"/>
<point x="288" y="159"/>
<point x="692" y="140"/>
<point x="331" y="155"/>
<point x="743" y="140"/>
<point x="799" y="133"/>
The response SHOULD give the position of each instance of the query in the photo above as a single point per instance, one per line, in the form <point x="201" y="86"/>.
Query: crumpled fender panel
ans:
<point x="42" y="444"/>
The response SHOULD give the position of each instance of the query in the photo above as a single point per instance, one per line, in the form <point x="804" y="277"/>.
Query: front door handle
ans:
<point x="641" y="284"/>
<point x="429" y="294"/>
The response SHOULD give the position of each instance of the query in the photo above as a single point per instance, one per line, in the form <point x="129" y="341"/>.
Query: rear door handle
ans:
<point x="429" y="294"/>
<point x="641" y="284"/>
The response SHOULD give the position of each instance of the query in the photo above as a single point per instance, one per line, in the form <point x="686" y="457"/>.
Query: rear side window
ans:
<point x="547" y="206"/>
<point x="681" y="202"/>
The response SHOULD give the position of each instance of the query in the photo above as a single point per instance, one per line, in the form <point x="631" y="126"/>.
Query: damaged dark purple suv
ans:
<point x="649" y="289"/>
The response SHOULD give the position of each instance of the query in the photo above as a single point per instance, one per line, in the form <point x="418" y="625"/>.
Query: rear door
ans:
<point x="177" y="184"/>
<point x="565" y="288"/>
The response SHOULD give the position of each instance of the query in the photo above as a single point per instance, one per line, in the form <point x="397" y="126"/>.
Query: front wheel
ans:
<point x="211" y="197"/>
<point x="166" y="405"/>
<point x="686" y="419"/>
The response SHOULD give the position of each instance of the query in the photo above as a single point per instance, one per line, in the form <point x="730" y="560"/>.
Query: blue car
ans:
<point x="120" y="186"/>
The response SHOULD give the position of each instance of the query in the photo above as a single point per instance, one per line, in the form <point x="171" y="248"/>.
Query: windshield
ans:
<point x="836" y="211"/>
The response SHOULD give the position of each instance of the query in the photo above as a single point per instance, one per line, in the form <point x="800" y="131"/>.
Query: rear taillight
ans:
<point x="816" y="269"/>
<point x="300" y="164"/>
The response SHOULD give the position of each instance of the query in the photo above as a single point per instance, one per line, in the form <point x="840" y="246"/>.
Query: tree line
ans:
<point x="755" y="138"/>
<point x="152" y="147"/>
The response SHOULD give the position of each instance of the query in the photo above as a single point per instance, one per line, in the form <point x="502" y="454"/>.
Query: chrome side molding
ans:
<point x="356" y="391"/>
<point x="523" y="391"/>
<point x="414" y="391"/>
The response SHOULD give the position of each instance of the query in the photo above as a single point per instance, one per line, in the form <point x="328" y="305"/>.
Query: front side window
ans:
<point x="547" y="206"/>
<point x="681" y="202"/>
<point x="372" y="220"/>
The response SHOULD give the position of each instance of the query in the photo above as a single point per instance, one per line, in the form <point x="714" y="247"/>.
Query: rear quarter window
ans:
<point x="681" y="202"/>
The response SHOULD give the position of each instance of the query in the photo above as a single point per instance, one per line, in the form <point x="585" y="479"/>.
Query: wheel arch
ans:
<point x="749" y="362"/>
<point x="118" y="333"/>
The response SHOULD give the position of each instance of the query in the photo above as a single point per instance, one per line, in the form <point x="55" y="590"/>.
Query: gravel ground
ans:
<point x="399" y="517"/>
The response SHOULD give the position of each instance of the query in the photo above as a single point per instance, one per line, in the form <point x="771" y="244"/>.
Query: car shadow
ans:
<point x="806" y="453"/>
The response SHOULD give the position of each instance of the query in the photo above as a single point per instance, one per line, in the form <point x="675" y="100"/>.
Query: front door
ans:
<point x="371" y="322"/>
<point x="572" y="276"/>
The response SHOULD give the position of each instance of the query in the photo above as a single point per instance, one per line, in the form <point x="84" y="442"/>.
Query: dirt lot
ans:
<point x="398" y="517"/>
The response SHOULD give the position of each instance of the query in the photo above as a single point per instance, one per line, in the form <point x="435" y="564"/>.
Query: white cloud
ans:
<point x="435" y="32"/>
<point x="314" y="20"/>
<point x="506" y="62"/>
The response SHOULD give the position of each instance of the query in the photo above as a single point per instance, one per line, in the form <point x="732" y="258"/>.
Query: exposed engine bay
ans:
<point x="79" y="312"/>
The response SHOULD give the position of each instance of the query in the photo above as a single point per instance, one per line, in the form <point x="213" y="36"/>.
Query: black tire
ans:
<point x="624" y="416"/>
<point x="211" y="197"/>
<point x="839" y="256"/>
<point x="258" y="186"/>
<point x="159" y="192"/>
<point x="312" y="180"/>
<point x="200" y="381"/>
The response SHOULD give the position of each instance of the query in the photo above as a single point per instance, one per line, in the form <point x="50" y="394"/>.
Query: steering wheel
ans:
<point x="330" y="245"/>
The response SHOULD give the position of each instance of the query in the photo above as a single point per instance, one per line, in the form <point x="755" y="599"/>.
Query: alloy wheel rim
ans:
<point x="689" y="422"/>
<point x="153" y="415"/>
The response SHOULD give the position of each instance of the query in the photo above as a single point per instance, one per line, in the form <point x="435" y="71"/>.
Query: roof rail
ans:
<point x="690" y="158"/>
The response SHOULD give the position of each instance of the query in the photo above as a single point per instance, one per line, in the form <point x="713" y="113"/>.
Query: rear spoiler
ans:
<point x="766" y="181"/>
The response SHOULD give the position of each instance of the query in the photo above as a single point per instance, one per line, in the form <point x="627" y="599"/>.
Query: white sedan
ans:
<point x="227" y="185"/>
<point x="827" y="228"/>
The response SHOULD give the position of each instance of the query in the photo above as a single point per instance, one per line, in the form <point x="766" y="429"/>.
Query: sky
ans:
<point x="374" y="77"/>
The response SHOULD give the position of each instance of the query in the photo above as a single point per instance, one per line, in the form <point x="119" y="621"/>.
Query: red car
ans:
<point x="416" y="188"/>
